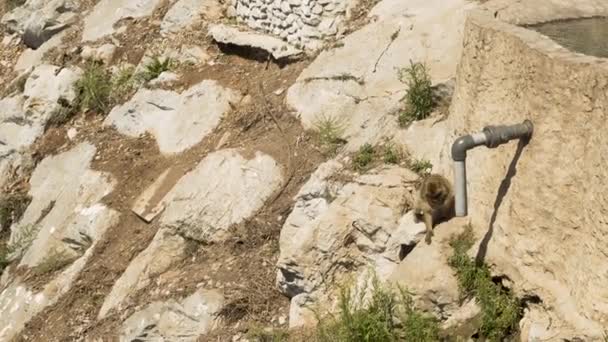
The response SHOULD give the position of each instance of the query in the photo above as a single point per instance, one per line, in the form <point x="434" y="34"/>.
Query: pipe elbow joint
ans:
<point x="460" y="147"/>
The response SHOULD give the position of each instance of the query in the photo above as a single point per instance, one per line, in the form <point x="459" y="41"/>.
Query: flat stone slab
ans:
<point x="177" y="121"/>
<point x="151" y="202"/>
<point x="231" y="35"/>
<point x="224" y="189"/>
<point x="173" y="320"/>
<point x="185" y="13"/>
<point x="165" y="249"/>
<point x="100" y="22"/>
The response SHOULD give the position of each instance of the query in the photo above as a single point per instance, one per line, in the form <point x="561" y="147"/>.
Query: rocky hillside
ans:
<point x="245" y="170"/>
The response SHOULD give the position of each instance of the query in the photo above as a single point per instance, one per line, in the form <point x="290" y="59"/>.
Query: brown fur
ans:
<point x="435" y="202"/>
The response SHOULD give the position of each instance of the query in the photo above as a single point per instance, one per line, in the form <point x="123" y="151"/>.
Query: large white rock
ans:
<point x="231" y="35"/>
<point x="165" y="249"/>
<point x="361" y="77"/>
<point x="185" y="13"/>
<point x="66" y="197"/>
<point x="336" y="229"/>
<point x="184" y="321"/>
<point x="23" y="117"/>
<point x="64" y="217"/>
<point x="100" y="22"/>
<point x="39" y="20"/>
<point x="177" y="121"/>
<point x="224" y="189"/>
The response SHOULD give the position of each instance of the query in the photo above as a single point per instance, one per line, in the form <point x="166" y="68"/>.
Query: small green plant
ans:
<point x="93" y="89"/>
<point x="23" y="239"/>
<point x="330" y="130"/>
<point x="419" y="98"/>
<point x="123" y="84"/>
<point x="364" y="157"/>
<point x="421" y="166"/>
<point x="258" y="334"/>
<point x="53" y="262"/>
<point x="4" y="256"/>
<point x="392" y="154"/>
<point x="62" y="114"/>
<point x="387" y="315"/>
<point x="155" y="67"/>
<point x="500" y="311"/>
<point x="12" y="208"/>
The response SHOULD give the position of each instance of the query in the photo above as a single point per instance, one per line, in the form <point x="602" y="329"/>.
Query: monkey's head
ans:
<point x="436" y="192"/>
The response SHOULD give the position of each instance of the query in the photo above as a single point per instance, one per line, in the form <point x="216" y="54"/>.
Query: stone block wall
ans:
<point x="303" y="23"/>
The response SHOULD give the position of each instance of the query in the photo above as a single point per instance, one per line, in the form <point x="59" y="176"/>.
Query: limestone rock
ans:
<point x="165" y="249"/>
<point x="183" y="321"/>
<point x="104" y="53"/>
<point x="274" y="46"/>
<point x="185" y="13"/>
<point x="30" y="58"/>
<point x="166" y="78"/>
<point x="334" y="225"/>
<point x="222" y="190"/>
<point x="64" y="218"/>
<point x="361" y="78"/>
<point x="177" y="121"/>
<point x="38" y="21"/>
<point x="24" y="117"/>
<point x="100" y="21"/>
<point x="65" y="204"/>
<point x="425" y="272"/>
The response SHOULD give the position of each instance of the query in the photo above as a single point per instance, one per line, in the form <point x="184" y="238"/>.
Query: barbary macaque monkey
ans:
<point x="435" y="202"/>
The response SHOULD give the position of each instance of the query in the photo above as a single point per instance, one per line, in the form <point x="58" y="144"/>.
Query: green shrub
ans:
<point x="93" y="89"/>
<point x="421" y="166"/>
<point x="329" y="131"/>
<point x="392" y="154"/>
<point x="419" y="98"/>
<point x="500" y="311"/>
<point x="364" y="157"/>
<point x="387" y="315"/>
<point x="155" y="67"/>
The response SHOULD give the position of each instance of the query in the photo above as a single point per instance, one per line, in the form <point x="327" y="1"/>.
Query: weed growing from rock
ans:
<point x="419" y="98"/>
<point x="12" y="208"/>
<point x="93" y="89"/>
<point x="62" y="114"/>
<point x="329" y="131"/>
<point x="421" y="166"/>
<point x="387" y="315"/>
<point x="364" y="157"/>
<point x="53" y="262"/>
<point x="155" y="67"/>
<point x="14" y="250"/>
<point x="123" y="84"/>
<point x="392" y="154"/>
<point x="500" y="311"/>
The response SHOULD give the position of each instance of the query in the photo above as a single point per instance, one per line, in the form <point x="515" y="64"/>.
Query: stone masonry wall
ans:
<point x="303" y="23"/>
